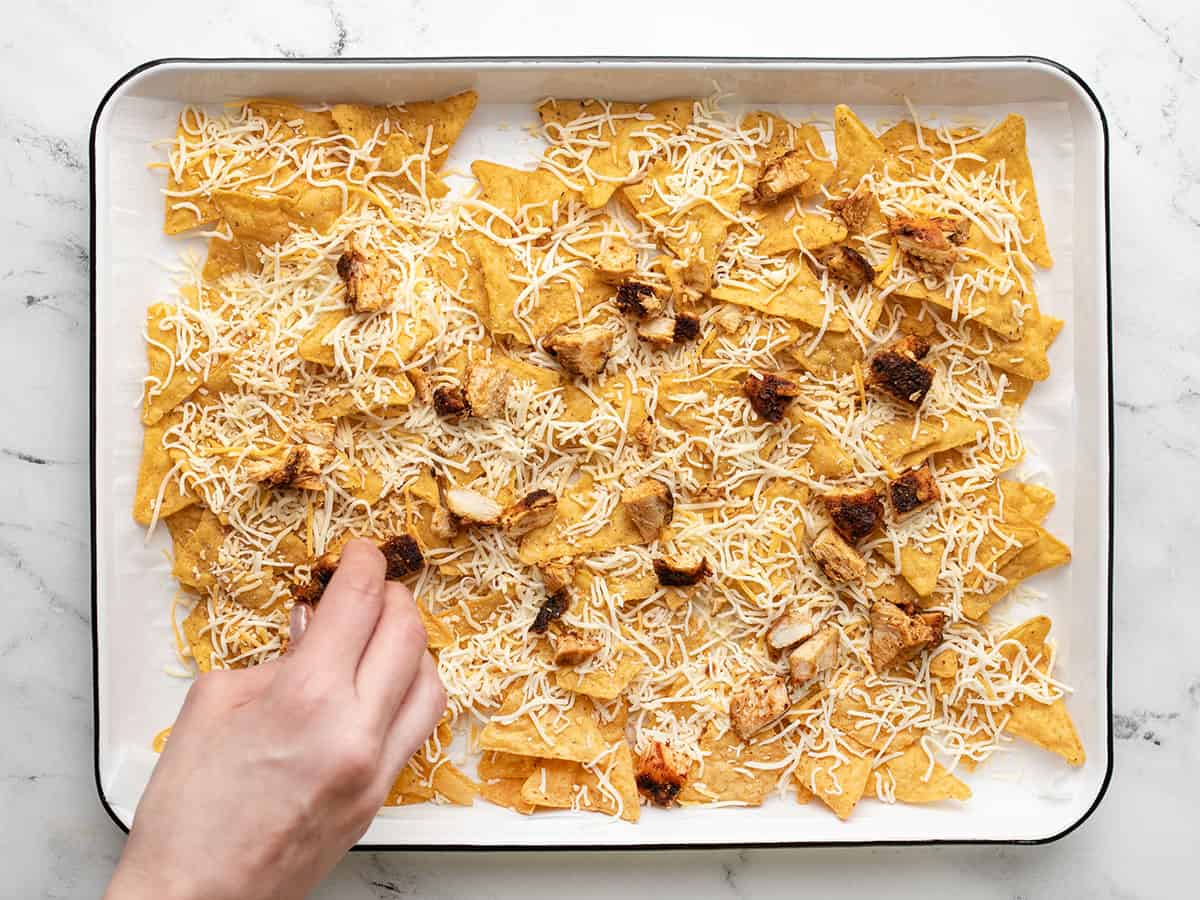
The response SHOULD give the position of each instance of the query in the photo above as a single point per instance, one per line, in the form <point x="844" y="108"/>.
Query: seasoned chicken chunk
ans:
<point x="650" y="505"/>
<point x="769" y="394"/>
<point x="930" y="245"/>
<point x="444" y="524"/>
<point x="551" y="609"/>
<point x="662" y="331"/>
<point x="487" y="387"/>
<point x="729" y="318"/>
<point x="662" y="773"/>
<point x="791" y="628"/>
<point x="365" y="277"/>
<point x="854" y="209"/>
<point x="837" y="559"/>
<point x="898" y="371"/>
<point x="781" y="176"/>
<point x="855" y="514"/>
<point x="644" y="436"/>
<point x="639" y="299"/>
<point x="582" y="351"/>
<point x="900" y="633"/>
<point x="299" y="467"/>
<point x="847" y="265"/>
<point x="679" y="573"/>
<point x="535" y="509"/>
<point x="616" y="261"/>
<point x="450" y="402"/>
<point x="403" y="556"/>
<point x="472" y="507"/>
<point x="557" y="575"/>
<point x="816" y="655"/>
<point x="912" y="490"/>
<point x="572" y="649"/>
<point x="759" y="702"/>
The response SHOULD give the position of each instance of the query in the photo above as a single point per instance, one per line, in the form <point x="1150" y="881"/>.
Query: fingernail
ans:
<point x="298" y="623"/>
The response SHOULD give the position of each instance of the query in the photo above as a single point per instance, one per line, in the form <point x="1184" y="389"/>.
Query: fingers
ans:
<point x="350" y="609"/>
<point x="227" y="689"/>
<point x="393" y="656"/>
<point x="298" y="620"/>
<point x="419" y="713"/>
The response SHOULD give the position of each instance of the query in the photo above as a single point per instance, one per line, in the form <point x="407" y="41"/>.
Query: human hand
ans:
<point x="272" y="773"/>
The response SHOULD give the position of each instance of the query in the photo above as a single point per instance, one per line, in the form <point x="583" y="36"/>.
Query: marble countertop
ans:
<point x="1143" y="60"/>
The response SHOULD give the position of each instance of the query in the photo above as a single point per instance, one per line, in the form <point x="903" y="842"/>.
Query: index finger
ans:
<point x="349" y="611"/>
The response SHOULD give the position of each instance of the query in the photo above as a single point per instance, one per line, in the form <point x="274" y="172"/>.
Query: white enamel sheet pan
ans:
<point x="1022" y="795"/>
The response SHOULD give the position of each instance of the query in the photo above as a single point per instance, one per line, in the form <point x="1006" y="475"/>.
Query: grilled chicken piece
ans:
<point x="472" y="507"/>
<point x="760" y="702"/>
<point x="676" y="573"/>
<point x="572" y="649"/>
<point x="616" y="262"/>
<point x="557" y="575"/>
<point x="444" y="524"/>
<point x="855" y="514"/>
<point x="650" y="505"/>
<point x="300" y="467"/>
<point x="321" y="572"/>
<point x="639" y="299"/>
<point x="450" y="402"/>
<point x="931" y="245"/>
<point x="816" y="655"/>
<point x="365" y="277"/>
<point x="781" y="176"/>
<point x="551" y="609"/>
<point x="791" y="628"/>
<point x="728" y="318"/>
<point x="912" y="490"/>
<point x="487" y="389"/>
<point x="644" y="436"/>
<point x="900" y="633"/>
<point x="897" y="370"/>
<point x="535" y="509"/>
<point x="403" y="555"/>
<point x="582" y="351"/>
<point x="837" y="559"/>
<point x="662" y="331"/>
<point x="854" y="209"/>
<point x="661" y="773"/>
<point x="847" y="265"/>
<point x="769" y="394"/>
<point x="421" y="386"/>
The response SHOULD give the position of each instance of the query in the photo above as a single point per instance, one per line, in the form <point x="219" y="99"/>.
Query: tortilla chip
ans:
<point x="166" y="388"/>
<point x="197" y="538"/>
<point x="848" y="718"/>
<point x="536" y="194"/>
<point x="785" y="227"/>
<point x="495" y="764"/>
<point x="825" y="455"/>
<point x="799" y="297"/>
<point x="599" y="683"/>
<point x="224" y="258"/>
<point x="786" y="137"/>
<point x="1049" y="726"/>
<point x="908" y="773"/>
<point x="314" y="348"/>
<point x="440" y="122"/>
<point x="630" y="132"/>
<point x="580" y="740"/>
<point x="344" y="403"/>
<point x="460" y="271"/>
<point x="195" y="632"/>
<point x="1025" y="502"/>
<point x="858" y="150"/>
<point x="726" y="763"/>
<point x="1043" y="551"/>
<point x="570" y="785"/>
<point x="506" y="792"/>
<point x="550" y="542"/>
<point x="177" y="219"/>
<point x="155" y="466"/>
<point x="835" y="354"/>
<point x="1031" y="634"/>
<point x="839" y="785"/>
<point x="1026" y="356"/>
<point x="894" y="446"/>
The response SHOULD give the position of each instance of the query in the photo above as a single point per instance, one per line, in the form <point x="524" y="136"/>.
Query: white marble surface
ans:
<point x="1143" y="60"/>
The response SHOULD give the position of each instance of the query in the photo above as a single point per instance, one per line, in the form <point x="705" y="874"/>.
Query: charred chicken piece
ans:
<point x="855" y="514"/>
<point x="557" y="575"/>
<point x="450" y="402"/>
<point x="472" y="507"/>
<point x="662" y="331"/>
<point x="639" y="299"/>
<point x="365" y="278"/>
<point x="728" y="318"/>
<point x="912" y="490"/>
<point x="299" y="467"/>
<point x="582" y="351"/>
<point x="551" y="609"/>
<point x="781" y="176"/>
<point x="403" y="556"/>
<point x="854" y="209"/>
<point x="816" y="655"/>
<point x="930" y="245"/>
<point x="662" y="773"/>
<point x="487" y="387"/>
<point x="650" y="505"/>
<point x="837" y="559"/>
<point x="898" y="371"/>
<point x="847" y="265"/>
<point x="535" y="509"/>
<point x="677" y="573"/>
<point x="616" y="262"/>
<point x="760" y="701"/>
<point x="900" y="633"/>
<point x="572" y="649"/>
<point x="769" y="394"/>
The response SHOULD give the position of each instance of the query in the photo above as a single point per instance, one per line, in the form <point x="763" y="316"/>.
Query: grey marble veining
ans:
<point x="1143" y="60"/>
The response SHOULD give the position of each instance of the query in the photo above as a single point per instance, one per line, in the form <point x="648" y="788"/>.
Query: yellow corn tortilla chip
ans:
<point x="858" y="149"/>
<point x="1026" y="356"/>
<point x="849" y="717"/>
<point x="198" y="535"/>
<point x="550" y="541"/>
<point x="825" y="455"/>
<point x="1024" y="501"/>
<point x="839" y="785"/>
<point x="536" y="194"/>
<point x="155" y="466"/>
<point x="315" y="348"/>
<point x="724" y="775"/>
<point x="911" y="786"/>
<point x="195" y="632"/>
<point x="785" y="227"/>
<point x="835" y="354"/>
<point x="560" y="784"/>
<point x="574" y="735"/>
<point x="495" y="764"/>
<point x="894" y="446"/>
<point x="177" y="218"/>
<point x="799" y="297"/>
<point x="1049" y="726"/>
<point x="786" y="137"/>
<point x="166" y="387"/>
<point x="459" y="270"/>
<point x="438" y="121"/>
<point x="598" y="683"/>
<point x="623" y="129"/>
<point x="294" y="120"/>
<point x="224" y="258"/>
<point x="400" y="393"/>
<point x="1031" y="634"/>
<point x="1041" y="552"/>
<point x="506" y="792"/>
